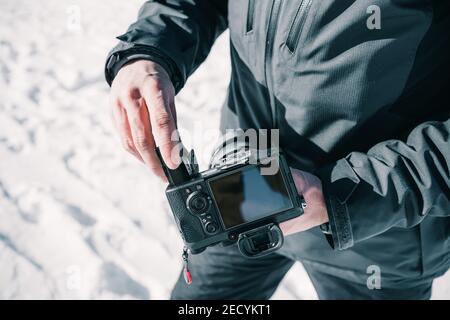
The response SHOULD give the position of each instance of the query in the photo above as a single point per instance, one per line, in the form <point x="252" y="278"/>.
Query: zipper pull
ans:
<point x="186" y="273"/>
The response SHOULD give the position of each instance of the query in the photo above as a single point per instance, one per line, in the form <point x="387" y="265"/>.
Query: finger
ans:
<point x="163" y="123"/>
<point x="298" y="224"/>
<point x="120" y="120"/>
<point x="142" y="134"/>
<point x="173" y="112"/>
<point x="153" y="162"/>
<point x="299" y="180"/>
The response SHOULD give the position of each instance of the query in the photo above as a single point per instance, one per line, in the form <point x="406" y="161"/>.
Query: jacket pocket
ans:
<point x="250" y="16"/>
<point x="297" y="25"/>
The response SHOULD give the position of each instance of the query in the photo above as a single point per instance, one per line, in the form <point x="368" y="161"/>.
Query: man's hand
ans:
<point x="316" y="213"/>
<point x="143" y="112"/>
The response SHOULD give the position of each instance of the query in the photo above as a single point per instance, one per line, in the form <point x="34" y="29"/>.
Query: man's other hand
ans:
<point x="315" y="213"/>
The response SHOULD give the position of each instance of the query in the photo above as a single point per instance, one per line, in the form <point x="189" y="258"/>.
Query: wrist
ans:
<point x="126" y="53"/>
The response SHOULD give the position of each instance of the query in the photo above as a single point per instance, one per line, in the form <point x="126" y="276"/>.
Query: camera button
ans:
<point x="211" y="227"/>
<point x="197" y="203"/>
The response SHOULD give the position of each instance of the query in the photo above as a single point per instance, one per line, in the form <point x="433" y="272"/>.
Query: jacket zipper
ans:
<point x="297" y="25"/>
<point x="268" y="72"/>
<point x="250" y="16"/>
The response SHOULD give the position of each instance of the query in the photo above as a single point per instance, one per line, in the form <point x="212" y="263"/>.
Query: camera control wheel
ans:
<point x="198" y="202"/>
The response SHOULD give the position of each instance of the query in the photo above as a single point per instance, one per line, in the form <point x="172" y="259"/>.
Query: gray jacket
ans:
<point x="364" y="108"/>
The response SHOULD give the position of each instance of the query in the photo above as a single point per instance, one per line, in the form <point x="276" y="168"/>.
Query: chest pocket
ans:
<point x="299" y="32"/>
<point x="298" y="25"/>
<point x="250" y="16"/>
<point x="241" y="22"/>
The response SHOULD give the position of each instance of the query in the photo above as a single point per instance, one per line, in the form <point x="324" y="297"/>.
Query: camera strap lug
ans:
<point x="186" y="273"/>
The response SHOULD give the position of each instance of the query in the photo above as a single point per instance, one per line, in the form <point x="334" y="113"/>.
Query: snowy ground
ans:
<point x="79" y="218"/>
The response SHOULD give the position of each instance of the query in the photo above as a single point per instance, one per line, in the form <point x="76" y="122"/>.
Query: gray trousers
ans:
<point x="223" y="273"/>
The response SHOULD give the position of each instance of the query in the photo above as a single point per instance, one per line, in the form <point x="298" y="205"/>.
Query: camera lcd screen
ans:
<point x="247" y="196"/>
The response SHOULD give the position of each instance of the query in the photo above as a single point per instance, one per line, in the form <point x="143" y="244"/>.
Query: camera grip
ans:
<point x="190" y="226"/>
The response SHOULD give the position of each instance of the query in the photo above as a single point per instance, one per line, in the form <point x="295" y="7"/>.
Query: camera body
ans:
<point x="234" y="202"/>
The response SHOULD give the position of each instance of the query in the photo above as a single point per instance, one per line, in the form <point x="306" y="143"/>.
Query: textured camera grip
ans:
<point x="190" y="226"/>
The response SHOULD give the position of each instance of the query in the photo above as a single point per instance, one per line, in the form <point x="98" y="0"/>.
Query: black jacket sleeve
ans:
<point x="177" y="34"/>
<point x="395" y="183"/>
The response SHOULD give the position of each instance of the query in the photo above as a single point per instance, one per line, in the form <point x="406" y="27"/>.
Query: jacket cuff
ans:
<point x="338" y="182"/>
<point x="127" y="52"/>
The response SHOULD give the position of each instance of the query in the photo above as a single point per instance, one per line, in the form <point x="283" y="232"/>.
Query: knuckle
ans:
<point x="143" y="143"/>
<point x="132" y="93"/>
<point x="162" y="120"/>
<point x="128" y="145"/>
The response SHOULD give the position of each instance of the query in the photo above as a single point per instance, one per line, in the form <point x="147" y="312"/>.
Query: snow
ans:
<point x="79" y="218"/>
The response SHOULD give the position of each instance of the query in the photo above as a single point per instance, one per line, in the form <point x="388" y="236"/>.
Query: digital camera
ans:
<point x="240" y="200"/>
